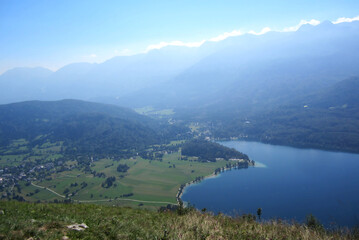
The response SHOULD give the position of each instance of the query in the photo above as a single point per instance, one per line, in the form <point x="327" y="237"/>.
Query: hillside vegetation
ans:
<point x="84" y="127"/>
<point x="72" y="151"/>
<point x="210" y="151"/>
<point x="50" y="221"/>
<point x="326" y="119"/>
<point x="248" y="86"/>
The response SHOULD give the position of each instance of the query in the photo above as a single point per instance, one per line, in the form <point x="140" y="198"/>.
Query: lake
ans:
<point x="287" y="183"/>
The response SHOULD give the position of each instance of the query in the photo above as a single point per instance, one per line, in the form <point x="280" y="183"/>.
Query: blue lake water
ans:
<point x="289" y="183"/>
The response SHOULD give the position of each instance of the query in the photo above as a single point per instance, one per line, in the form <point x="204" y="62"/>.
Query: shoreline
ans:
<point x="217" y="172"/>
<point x="283" y="144"/>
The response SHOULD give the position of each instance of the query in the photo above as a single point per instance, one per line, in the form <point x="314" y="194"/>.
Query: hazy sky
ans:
<point x="54" y="33"/>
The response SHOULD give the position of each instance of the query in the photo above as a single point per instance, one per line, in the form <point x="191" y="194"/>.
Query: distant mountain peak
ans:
<point x="323" y="25"/>
<point x="326" y="24"/>
<point x="27" y="70"/>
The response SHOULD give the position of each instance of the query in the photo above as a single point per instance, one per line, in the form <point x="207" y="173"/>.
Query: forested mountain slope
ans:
<point x="327" y="119"/>
<point x="89" y="127"/>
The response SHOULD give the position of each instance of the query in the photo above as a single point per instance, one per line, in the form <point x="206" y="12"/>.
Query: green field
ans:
<point x="155" y="181"/>
<point x="19" y="152"/>
<point x="150" y="111"/>
<point x="80" y="178"/>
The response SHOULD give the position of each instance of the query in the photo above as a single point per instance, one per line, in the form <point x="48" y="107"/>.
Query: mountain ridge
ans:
<point x="227" y="61"/>
<point x="91" y="127"/>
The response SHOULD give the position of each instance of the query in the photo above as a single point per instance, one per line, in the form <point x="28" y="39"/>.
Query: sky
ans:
<point x="53" y="33"/>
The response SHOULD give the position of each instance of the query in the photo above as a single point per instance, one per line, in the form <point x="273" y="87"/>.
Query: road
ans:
<point x="102" y="200"/>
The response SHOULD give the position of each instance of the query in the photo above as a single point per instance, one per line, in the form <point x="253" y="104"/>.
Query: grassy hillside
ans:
<point x="50" y="221"/>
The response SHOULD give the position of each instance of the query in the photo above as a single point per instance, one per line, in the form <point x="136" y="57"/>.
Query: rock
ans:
<point x="78" y="227"/>
<point x="65" y="238"/>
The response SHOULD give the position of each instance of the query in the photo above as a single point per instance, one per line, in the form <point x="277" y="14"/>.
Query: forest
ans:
<point x="210" y="151"/>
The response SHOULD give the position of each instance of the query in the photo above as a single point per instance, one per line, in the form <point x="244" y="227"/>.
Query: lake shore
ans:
<point x="238" y="165"/>
<point x="291" y="184"/>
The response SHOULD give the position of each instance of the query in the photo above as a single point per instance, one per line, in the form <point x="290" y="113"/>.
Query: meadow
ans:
<point x="155" y="182"/>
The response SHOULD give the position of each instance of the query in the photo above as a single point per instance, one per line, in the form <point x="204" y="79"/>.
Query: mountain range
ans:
<point x="296" y="88"/>
<point x="249" y="68"/>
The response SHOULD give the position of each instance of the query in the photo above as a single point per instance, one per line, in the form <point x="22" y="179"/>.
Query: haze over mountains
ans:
<point x="267" y="69"/>
<point x="265" y="80"/>
<point x="116" y="77"/>
<point x="248" y="68"/>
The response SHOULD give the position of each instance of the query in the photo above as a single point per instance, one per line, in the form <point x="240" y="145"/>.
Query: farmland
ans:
<point x="149" y="183"/>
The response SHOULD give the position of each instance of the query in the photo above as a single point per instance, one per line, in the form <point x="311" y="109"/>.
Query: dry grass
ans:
<point x="49" y="221"/>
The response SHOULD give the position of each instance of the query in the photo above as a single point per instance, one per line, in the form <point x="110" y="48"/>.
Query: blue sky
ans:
<point x="55" y="33"/>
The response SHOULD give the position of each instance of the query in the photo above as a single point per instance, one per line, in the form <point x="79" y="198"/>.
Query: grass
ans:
<point x="157" y="181"/>
<point x="11" y="160"/>
<point x="50" y="221"/>
<point x="93" y="191"/>
<point x="150" y="111"/>
<point x="18" y="152"/>
<point x="154" y="180"/>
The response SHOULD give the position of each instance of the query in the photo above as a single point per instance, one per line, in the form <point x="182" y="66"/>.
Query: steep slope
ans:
<point x="259" y="71"/>
<point x="105" y="222"/>
<point x="90" y="127"/>
<point x="343" y="94"/>
<point x="327" y="119"/>
<point x="246" y="69"/>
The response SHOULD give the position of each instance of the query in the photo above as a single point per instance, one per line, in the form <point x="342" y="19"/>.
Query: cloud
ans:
<point x="199" y="43"/>
<point x="226" y="35"/>
<point x="234" y="33"/>
<point x="344" y="19"/>
<point x="174" y="43"/>
<point x="313" y="22"/>
<point x="263" y="31"/>
<point x="93" y="55"/>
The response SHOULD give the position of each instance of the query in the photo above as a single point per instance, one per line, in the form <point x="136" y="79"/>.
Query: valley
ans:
<point x="49" y="177"/>
<point x="59" y="160"/>
<point x="175" y="120"/>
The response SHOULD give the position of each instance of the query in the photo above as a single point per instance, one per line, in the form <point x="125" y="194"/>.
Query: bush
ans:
<point x="122" y="168"/>
<point x="314" y="223"/>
